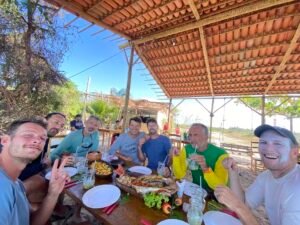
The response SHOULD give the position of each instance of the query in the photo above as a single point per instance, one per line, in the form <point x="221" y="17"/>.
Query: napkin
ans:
<point x="180" y="186"/>
<point x="145" y="222"/>
<point x="109" y="209"/>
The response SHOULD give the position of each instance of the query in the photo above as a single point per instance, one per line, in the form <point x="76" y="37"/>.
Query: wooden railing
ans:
<point x="106" y="136"/>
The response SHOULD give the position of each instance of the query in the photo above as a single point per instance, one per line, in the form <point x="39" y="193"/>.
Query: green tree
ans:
<point x="67" y="99"/>
<point x="285" y="106"/>
<point x="108" y="113"/>
<point x="32" y="45"/>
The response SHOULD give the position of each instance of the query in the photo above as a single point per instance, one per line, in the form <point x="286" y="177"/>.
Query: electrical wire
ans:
<point x="102" y="61"/>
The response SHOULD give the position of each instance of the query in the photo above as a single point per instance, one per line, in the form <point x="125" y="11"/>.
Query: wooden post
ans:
<point x="130" y="65"/>
<point x="169" y="113"/>
<point x="211" y="117"/>
<point x="263" y="115"/>
<point x="85" y="98"/>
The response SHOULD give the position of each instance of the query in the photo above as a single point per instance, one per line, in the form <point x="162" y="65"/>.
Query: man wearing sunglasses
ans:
<point x="79" y="142"/>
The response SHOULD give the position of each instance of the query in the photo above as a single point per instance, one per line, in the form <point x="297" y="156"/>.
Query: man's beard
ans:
<point x="52" y="132"/>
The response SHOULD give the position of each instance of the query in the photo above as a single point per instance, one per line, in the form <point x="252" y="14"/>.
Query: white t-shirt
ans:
<point x="281" y="197"/>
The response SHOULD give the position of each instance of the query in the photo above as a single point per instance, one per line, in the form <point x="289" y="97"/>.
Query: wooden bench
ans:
<point x="234" y="149"/>
<point x="256" y="163"/>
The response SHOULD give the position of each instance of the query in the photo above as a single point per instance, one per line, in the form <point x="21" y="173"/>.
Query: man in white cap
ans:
<point x="277" y="188"/>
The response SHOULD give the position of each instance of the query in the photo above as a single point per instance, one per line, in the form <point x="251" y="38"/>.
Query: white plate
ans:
<point x="189" y="188"/>
<point x="71" y="171"/>
<point x="217" y="218"/>
<point x="172" y="222"/>
<point x="101" y="196"/>
<point x="140" y="169"/>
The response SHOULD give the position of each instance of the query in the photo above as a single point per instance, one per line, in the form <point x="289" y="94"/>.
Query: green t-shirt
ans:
<point x="211" y="155"/>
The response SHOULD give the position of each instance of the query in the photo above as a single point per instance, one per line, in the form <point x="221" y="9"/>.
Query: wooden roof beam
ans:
<point x="205" y="55"/>
<point x="194" y="9"/>
<point x="285" y="59"/>
<point x="260" y="5"/>
<point x="94" y="6"/>
<point x="203" y="44"/>
<point x="70" y="22"/>
<point x="73" y="7"/>
<point x="137" y="49"/>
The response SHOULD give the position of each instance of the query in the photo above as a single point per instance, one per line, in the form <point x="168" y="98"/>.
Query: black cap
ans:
<point x="281" y="131"/>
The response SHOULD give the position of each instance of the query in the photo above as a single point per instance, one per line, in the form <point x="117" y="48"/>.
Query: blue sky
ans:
<point x="87" y="50"/>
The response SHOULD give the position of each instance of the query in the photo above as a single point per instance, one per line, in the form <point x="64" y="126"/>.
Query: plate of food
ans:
<point x="216" y="218"/>
<point x="150" y="183"/>
<point x="102" y="169"/>
<point x="71" y="171"/>
<point x="140" y="169"/>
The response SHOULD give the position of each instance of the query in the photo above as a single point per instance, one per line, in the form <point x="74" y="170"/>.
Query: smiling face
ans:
<point x="152" y="128"/>
<point x="91" y="125"/>
<point x="277" y="152"/>
<point x="134" y="128"/>
<point x="26" y="143"/>
<point x="55" y="124"/>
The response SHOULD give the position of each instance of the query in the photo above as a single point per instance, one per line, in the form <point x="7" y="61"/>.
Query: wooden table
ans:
<point x="129" y="213"/>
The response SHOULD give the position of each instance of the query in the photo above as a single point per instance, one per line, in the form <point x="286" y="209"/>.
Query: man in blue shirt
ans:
<point x="79" y="142"/>
<point x="125" y="147"/>
<point x="23" y="142"/>
<point x="154" y="147"/>
<point x="34" y="182"/>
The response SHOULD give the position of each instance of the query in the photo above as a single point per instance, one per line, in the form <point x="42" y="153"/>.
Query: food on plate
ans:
<point x="150" y="183"/>
<point x="101" y="168"/>
<point x="120" y="170"/>
<point x="178" y="201"/>
<point x="166" y="208"/>
<point x="153" y="199"/>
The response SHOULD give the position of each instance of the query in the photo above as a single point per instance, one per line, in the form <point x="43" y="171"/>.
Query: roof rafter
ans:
<point x="285" y="58"/>
<point x="137" y="49"/>
<point x="81" y="12"/>
<point x="215" y="18"/>
<point x="203" y="44"/>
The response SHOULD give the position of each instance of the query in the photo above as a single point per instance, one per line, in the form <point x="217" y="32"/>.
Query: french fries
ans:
<point x="101" y="168"/>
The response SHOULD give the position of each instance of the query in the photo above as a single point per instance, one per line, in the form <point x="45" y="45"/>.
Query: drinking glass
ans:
<point x="192" y="164"/>
<point x="81" y="164"/>
<point x="89" y="179"/>
<point x="160" y="168"/>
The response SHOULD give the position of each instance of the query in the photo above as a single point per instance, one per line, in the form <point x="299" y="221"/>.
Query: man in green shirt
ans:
<point x="207" y="157"/>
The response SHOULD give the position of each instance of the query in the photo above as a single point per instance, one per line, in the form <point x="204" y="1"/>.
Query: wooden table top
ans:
<point x="129" y="212"/>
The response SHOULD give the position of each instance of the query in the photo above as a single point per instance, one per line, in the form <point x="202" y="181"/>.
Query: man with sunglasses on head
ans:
<point x="32" y="175"/>
<point x="55" y="123"/>
<point x="23" y="142"/>
<point x="79" y="142"/>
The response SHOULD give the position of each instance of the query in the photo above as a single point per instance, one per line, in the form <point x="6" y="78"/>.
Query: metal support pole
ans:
<point x="263" y="115"/>
<point x="211" y="117"/>
<point x="125" y="112"/>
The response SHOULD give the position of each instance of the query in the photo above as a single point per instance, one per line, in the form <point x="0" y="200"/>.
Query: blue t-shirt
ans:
<point x="75" y="142"/>
<point x="127" y="146"/>
<point x="14" y="206"/>
<point x="156" y="150"/>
